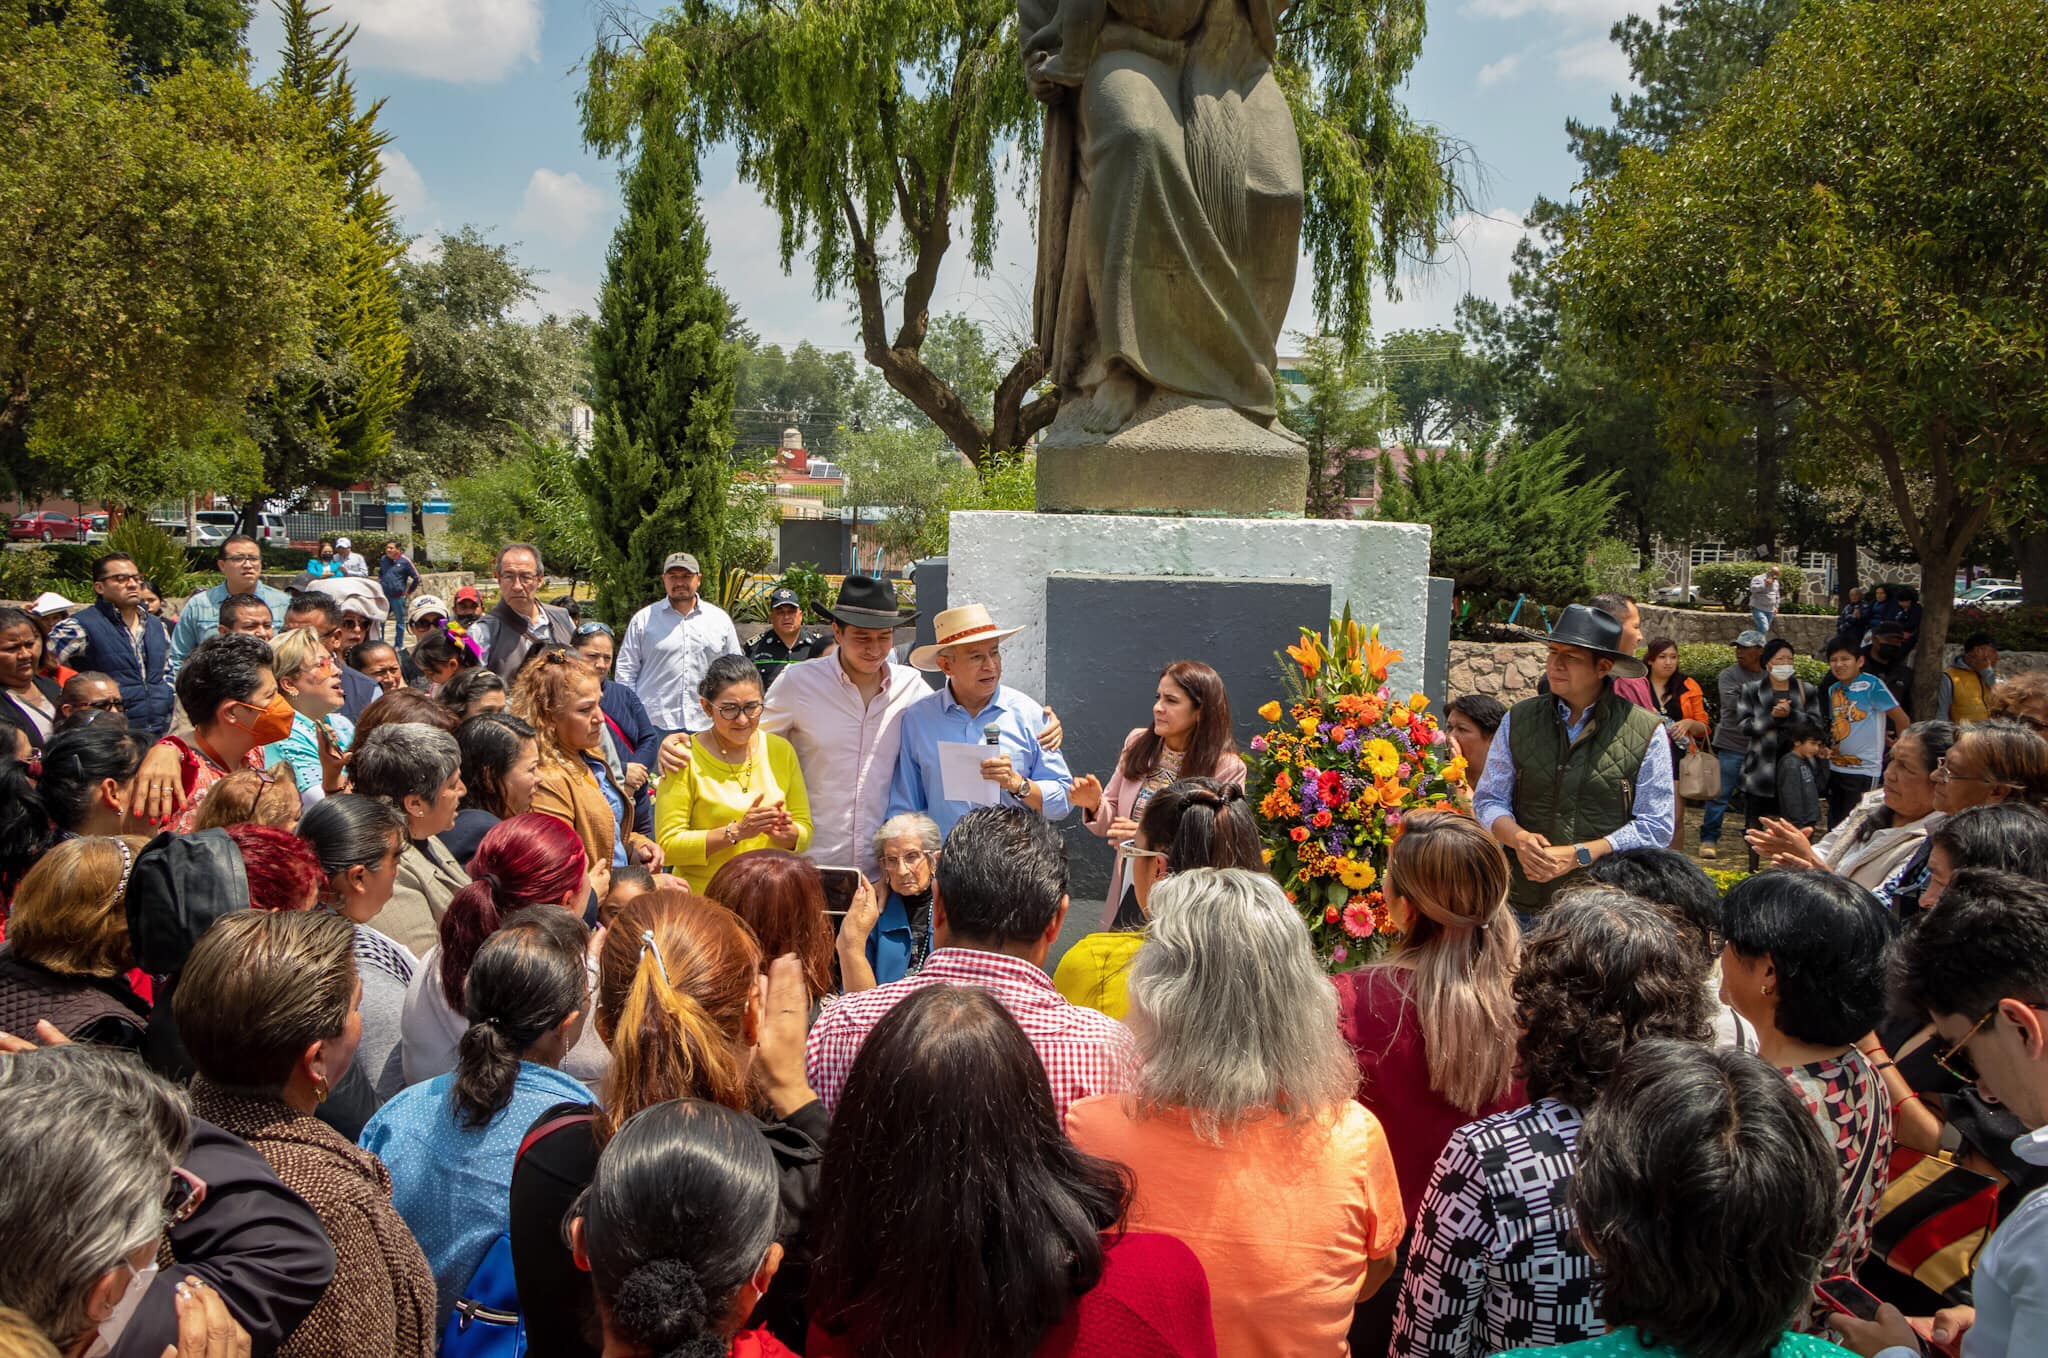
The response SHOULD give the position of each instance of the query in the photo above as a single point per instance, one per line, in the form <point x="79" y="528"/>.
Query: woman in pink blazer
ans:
<point x="1189" y="738"/>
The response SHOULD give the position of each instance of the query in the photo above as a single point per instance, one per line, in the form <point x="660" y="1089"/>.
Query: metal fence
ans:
<point x="313" y="527"/>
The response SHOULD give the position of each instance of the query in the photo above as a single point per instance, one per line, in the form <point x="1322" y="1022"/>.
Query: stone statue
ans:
<point x="1169" y="229"/>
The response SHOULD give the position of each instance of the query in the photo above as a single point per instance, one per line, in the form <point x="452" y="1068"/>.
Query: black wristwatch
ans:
<point x="1584" y="855"/>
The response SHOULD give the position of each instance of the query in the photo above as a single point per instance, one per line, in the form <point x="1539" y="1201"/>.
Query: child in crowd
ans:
<point x="1860" y="707"/>
<point x="629" y="884"/>
<point x="1802" y="777"/>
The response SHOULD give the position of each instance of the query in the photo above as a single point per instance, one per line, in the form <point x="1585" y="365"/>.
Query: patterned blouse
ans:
<point x="1494" y="1261"/>
<point x="1855" y="1116"/>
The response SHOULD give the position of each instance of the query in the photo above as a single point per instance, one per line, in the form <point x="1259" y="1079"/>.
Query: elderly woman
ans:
<point x="1887" y="827"/>
<point x="309" y="677"/>
<point x="89" y="1143"/>
<point x="1804" y="961"/>
<point x="1241" y="1110"/>
<point x="417" y="771"/>
<point x="67" y="947"/>
<point x="907" y="851"/>
<point x="1496" y="1259"/>
<point x="268" y="1010"/>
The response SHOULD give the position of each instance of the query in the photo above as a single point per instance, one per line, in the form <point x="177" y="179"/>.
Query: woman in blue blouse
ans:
<point x="450" y="1143"/>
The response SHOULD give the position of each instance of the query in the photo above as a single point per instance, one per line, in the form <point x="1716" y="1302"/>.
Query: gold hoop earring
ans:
<point x="320" y="1089"/>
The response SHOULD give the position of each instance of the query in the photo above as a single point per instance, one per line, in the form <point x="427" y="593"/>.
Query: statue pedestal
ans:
<point x="1178" y="457"/>
<point x="1107" y="601"/>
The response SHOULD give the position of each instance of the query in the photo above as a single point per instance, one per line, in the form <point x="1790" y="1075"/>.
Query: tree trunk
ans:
<point x="2030" y="553"/>
<point x="1846" y="570"/>
<point x="1937" y="607"/>
<point x="418" y="548"/>
<point x="1770" y="448"/>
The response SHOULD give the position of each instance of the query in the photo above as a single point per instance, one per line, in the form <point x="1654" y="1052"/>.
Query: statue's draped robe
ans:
<point x="1170" y="202"/>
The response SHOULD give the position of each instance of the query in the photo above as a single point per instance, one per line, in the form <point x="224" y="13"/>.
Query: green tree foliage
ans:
<point x="657" y="474"/>
<point x="911" y="474"/>
<point x="1337" y="407"/>
<point x="480" y="375"/>
<point x="1507" y="520"/>
<point x="820" y="393"/>
<point x="1441" y="393"/>
<point x="326" y="421"/>
<point x="531" y="495"/>
<point x="876" y="128"/>
<point x="162" y="37"/>
<point x="1863" y="224"/>
<point x="164" y="256"/>
<point x="751" y="514"/>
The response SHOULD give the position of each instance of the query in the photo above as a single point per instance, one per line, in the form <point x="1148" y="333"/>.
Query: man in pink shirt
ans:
<point x="998" y="900"/>
<point x="843" y="713"/>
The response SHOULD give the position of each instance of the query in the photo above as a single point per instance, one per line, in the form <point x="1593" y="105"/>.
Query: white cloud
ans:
<point x="1596" y="61"/>
<point x="465" y="41"/>
<point x="559" y="206"/>
<point x="1493" y="72"/>
<point x="402" y="183"/>
<point x="561" y="297"/>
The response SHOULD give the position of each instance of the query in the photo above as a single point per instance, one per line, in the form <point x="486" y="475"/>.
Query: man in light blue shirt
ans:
<point x="968" y="651"/>
<point x="241" y="563"/>
<point x="669" y="645"/>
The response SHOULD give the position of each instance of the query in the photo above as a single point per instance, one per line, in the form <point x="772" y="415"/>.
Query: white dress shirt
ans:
<point x="847" y="748"/>
<point x="663" y="657"/>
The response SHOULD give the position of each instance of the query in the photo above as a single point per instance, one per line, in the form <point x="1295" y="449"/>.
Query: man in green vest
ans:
<point x="1588" y="772"/>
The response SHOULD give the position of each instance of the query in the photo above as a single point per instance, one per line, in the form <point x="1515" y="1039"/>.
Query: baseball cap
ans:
<point x="423" y="604"/>
<point x="342" y="544"/>
<point x="1751" y="637"/>
<point x="48" y="602"/>
<point x="784" y="597"/>
<point x="468" y="593"/>
<point x="682" y="561"/>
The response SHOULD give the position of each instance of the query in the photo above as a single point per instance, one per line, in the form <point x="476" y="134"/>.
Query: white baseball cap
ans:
<point x="48" y="602"/>
<point x="342" y="544"/>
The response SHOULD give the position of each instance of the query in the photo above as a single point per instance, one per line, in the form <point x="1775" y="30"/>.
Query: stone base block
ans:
<point x="1177" y="457"/>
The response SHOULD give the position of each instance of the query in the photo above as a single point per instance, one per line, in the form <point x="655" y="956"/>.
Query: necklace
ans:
<point x="746" y="769"/>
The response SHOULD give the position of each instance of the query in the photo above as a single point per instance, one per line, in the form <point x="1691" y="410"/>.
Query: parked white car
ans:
<point x="1998" y="596"/>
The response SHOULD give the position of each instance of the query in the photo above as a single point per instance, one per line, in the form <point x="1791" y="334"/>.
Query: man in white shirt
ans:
<point x="1977" y="966"/>
<point x="352" y="562"/>
<point x="668" y="646"/>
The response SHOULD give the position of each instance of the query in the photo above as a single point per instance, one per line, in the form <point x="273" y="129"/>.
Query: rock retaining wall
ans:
<point x="1808" y="632"/>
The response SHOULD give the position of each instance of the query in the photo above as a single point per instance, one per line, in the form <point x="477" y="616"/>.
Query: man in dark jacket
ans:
<point x="521" y="621"/>
<point x="787" y="641"/>
<point x="118" y="637"/>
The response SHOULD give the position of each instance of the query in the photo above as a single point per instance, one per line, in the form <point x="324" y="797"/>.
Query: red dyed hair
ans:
<point x="781" y="898"/>
<point x="284" y="872"/>
<point x="531" y="859"/>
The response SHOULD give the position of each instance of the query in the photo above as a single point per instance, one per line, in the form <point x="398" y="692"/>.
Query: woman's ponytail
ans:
<point x="664" y="1306"/>
<point x="526" y="979"/>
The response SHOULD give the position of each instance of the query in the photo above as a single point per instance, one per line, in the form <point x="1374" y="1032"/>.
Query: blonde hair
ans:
<point x="676" y="974"/>
<point x="246" y="797"/>
<point x="69" y="911"/>
<point x="19" y="1337"/>
<point x="1462" y="949"/>
<point x="289" y="651"/>
<point x="543" y="691"/>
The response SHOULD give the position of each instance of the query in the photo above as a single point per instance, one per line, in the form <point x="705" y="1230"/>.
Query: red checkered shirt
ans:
<point x="1085" y="1052"/>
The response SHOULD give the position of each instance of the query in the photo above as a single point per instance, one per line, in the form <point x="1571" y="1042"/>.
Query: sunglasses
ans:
<point x="107" y="705"/>
<point x="1129" y="851"/>
<point x="183" y="1197"/>
<point x="1956" y="1061"/>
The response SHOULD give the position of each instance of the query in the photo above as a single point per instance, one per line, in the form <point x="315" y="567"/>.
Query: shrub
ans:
<point x="2014" y="629"/>
<point x="1611" y="568"/>
<point x="1703" y="661"/>
<point x="157" y="555"/>
<point x="1727" y="582"/>
<point x="812" y="588"/>
<point x="25" y="574"/>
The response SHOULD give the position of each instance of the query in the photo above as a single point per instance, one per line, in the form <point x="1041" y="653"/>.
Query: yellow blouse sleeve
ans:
<point x="789" y="776"/>
<point x="681" y="846"/>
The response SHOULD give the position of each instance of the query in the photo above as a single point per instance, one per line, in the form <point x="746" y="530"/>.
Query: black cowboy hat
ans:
<point x="867" y="602"/>
<point x="1589" y="629"/>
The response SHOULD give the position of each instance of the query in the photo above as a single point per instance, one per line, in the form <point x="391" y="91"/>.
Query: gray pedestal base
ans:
<point x="1178" y="457"/>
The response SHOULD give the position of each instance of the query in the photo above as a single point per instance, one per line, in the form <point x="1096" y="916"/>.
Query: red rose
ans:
<point x="1298" y="834"/>
<point x="1330" y="915"/>
<point x="1322" y="819"/>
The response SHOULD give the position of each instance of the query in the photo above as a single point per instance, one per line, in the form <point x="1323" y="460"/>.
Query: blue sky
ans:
<point x="482" y="101"/>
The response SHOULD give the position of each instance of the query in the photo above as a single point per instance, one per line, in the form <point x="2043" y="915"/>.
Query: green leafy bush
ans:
<point x="25" y="574"/>
<point x="1727" y="582"/>
<point x="157" y="555"/>
<point x="1613" y="570"/>
<point x="2014" y="629"/>
<point x="1703" y="661"/>
<point x="812" y="588"/>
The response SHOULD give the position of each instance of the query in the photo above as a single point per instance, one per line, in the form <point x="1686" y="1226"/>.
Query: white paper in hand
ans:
<point x="960" y="777"/>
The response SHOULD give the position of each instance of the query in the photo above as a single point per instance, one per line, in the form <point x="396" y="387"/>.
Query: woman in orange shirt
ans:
<point x="1240" y="1129"/>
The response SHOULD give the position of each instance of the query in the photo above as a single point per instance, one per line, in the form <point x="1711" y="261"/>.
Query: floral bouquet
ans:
<point x="1340" y="762"/>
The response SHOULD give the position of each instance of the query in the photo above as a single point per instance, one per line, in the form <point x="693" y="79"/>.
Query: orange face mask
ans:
<point x="273" y="720"/>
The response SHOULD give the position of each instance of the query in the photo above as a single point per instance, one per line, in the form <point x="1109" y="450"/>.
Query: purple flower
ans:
<point x="1339" y="953"/>
<point x="1258" y="744"/>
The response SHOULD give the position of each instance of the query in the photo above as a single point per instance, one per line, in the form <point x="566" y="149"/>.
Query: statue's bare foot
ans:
<point x="1113" y="402"/>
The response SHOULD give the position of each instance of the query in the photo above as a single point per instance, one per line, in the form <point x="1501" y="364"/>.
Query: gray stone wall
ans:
<point x="1807" y="632"/>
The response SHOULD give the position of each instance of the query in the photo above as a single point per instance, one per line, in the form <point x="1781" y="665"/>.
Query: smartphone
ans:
<point x="840" y="886"/>
<point x="1843" y="1293"/>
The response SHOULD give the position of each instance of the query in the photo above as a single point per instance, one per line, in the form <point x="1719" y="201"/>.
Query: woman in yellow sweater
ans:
<point x="742" y="790"/>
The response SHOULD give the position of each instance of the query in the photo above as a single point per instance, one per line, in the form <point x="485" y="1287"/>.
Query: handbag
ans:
<point x="1934" y="1217"/>
<point x="1699" y="776"/>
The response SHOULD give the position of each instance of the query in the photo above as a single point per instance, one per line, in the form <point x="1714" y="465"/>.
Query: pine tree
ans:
<point x="663" y="376"/>
<point x="326" y="422"/>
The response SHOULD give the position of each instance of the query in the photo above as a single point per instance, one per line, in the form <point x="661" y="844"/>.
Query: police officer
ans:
<point x="788" y="641"/>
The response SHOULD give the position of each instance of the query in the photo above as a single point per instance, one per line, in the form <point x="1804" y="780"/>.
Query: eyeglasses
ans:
<point x="1945" y="774"/>
<point x="130" y="579"/>
<point x="1956" y="1061"/>
<point x="243" y="560"/>
<point x="107" y="705"/>
<point x="518" y="577"/>
<point x="735" y="711"/>
<point x="904" y="862"/>
<point x="1129" y="851"/>
<point x="183" y="1196"/>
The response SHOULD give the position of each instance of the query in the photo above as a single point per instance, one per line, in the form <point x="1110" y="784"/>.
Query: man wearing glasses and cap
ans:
<point x="788" y="641"/>
<point x="668" y="646"/>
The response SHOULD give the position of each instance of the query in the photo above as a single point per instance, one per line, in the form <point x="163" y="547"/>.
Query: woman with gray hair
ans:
<point x="892" y="943"/>
<point x="417" y="770"/>
<point x="1241" y="1111"/>
<point x="89" y="1151"/>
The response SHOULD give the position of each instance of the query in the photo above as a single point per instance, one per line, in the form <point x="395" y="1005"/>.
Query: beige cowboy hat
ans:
<point x="960" y="626"/>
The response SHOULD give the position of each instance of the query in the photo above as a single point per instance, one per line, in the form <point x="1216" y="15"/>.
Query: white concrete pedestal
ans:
<point x="1005" y="561"/>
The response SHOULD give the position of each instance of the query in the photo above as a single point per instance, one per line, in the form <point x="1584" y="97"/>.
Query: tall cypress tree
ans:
<point x="663" y="375"/>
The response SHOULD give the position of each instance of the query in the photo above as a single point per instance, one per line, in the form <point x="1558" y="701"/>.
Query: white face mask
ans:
<point x="124" y="1309"/>
<point x="1782" y="671"/>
